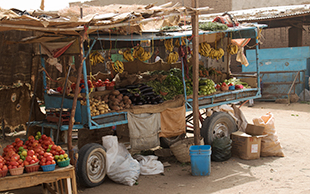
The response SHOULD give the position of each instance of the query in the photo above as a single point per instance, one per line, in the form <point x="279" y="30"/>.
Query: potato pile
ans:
<point x="117" y="101"/>
<point x="97" y="106"/>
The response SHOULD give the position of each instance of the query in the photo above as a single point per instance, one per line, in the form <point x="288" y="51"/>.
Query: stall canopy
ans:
<point x="116" y="19"/>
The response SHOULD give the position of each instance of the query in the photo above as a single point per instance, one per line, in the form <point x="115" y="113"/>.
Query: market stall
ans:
<point x="95" y="105"/>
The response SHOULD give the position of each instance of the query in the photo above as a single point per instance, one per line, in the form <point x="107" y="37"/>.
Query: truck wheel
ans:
<point x="219" y="124"/>
<point x="91" y="165"/>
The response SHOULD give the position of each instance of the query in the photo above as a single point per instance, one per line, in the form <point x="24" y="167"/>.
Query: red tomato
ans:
<point x="26" y="163"/>
<point x="32" y="162"/>
<point x="19" y="144"/>
<point x="44" y="137"/>
<point x="5" y="167"/>
<point x="28" y="158"/>
<point x="15" y="157"/>
<point x="41" y="152"/>
<point x="43" y="160"/>
<point x="54" y="147"/>
<point x="56" y="153"/>
<point x="30" y="153"/>
<point x="53" y="162"/>
<point x="1" y="165"/>
<point x="49" y="158"/>
<point x="36" y="160"/>
<point x="10" y="166"/>
<point x="58" y="148"/>
<point x="62" y="152"/>
<point x="19" y="166"/>
<point x="48" y="162"/>
<point x="14" y="163"/>
<point x="20" y="161"/>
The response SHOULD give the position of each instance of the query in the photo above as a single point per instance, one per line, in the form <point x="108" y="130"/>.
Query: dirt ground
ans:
<point x="272" y="175"/>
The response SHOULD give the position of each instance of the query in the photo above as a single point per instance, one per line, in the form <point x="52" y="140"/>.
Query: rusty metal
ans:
<point x="293" y="85"/>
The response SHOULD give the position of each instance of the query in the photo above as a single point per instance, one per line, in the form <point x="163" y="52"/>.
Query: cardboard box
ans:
<point x="246" y="146"/>
<point x="254" y="130"/>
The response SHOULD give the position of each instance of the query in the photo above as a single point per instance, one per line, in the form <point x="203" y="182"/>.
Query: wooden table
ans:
<point x="52" y="181"/>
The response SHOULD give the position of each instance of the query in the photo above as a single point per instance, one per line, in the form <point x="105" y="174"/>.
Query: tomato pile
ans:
<point x="42" y="151"/>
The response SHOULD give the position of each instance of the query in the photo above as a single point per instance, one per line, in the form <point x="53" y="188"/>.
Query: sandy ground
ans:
<point x="272" y="175"/>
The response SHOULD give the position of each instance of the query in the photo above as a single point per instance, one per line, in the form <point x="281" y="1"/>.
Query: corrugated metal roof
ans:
<point x="265" y="13"/>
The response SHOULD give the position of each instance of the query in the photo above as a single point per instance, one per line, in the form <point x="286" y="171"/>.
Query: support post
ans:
<point x="76" y="93"/>
<point x="195" y="42"/>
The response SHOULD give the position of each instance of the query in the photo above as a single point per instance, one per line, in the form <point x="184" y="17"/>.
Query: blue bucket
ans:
<point x="200" y="159"/>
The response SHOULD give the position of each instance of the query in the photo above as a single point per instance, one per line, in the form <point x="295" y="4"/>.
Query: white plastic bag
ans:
<point x="270" y="145"/>
<point x="150" y="165"/>
<point x="121" y="167"/>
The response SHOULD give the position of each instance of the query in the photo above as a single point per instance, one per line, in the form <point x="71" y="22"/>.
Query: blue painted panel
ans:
<point x="54" y="101"/>
<point x="280" y="59"/>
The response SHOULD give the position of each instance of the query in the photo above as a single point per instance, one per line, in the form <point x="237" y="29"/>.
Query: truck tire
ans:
<point x="91" y="165"/>
<point x="219" y="124"/>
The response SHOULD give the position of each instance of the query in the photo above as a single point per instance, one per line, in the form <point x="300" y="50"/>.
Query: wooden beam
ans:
<point x="195" y="29"/>
<point x="76" y="93"/>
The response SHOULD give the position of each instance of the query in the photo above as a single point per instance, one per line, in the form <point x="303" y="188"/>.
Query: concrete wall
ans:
<point x="239" y="5"/>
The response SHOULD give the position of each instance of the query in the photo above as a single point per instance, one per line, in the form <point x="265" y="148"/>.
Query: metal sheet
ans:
<point x="279" y="67"/>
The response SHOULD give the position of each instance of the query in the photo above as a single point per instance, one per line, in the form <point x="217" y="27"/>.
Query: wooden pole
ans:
<point x="76" y="93"/>
<point x="195" y="41"/>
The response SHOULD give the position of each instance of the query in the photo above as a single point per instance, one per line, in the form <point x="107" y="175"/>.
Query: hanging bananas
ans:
<point x="141" y="54"/>
<point x="118" y="66"/>
<point x="127" y="55"/>
<point x="169" y="45"/>
<point x="204" y="49"/>
<point x="232" y="49"/>
<point x="177" y="42"/>
<point x="173" y="57"/>
<point x="95" y="57"/>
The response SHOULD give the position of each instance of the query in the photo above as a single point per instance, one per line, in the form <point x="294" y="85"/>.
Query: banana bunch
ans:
<point x="177" y="42"/>
<point x="169" y="45"/>
<point x="118" y="66"/>
<point x="216" y="53"/>
<point x="173" y="57"/>
<point x="204" y="49"/>
<point x="232" y="49"/>
<point x="127" y="55"/>
<point x="141" y="54"/>
<point x="95" y="57"/>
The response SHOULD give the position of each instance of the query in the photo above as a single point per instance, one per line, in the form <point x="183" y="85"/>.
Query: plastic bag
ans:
<point x="121" y="167"/>
<point x="149" y="165"/>
<point x="304" y="95"/>
<point x="241" y="57"/>
<point x="270" y="145"/>
<point x="221" y="149"/>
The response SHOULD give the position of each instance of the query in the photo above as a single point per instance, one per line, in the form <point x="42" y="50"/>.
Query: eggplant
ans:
<point x="143" y="87"/>
<point x="148" y="94"/>
<point x="160" y="101"/>
<point x="154" y="102"/>
<point x="149" y="102"/>
<point x="132" y="86"/>
<point x="137" y="95"/>
<point x="140" y="103"/>
<point x="146" y="90"/>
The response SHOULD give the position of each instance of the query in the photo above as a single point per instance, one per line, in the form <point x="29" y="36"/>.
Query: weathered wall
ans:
<point x="239" y="5"/>
<point x="15" y="59"/>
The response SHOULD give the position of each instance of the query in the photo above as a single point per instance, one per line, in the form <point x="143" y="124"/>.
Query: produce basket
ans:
<point x="102" y="88"/>
<point x="224" y="88"/>
<point x="180" y="149"/>
<point x="47" y="168"/>
<point x="34" y="164"/>
<point x="17" y="171"/>
<point x="63" y="163"/>
<point x="3" y="173"/>
<point x="32" y="168"/>
<point x="231" y="87"/>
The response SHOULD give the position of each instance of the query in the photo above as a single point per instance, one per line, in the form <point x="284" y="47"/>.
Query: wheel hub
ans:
<point x="220" y="130"/>
<point x="95" y="166"/>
